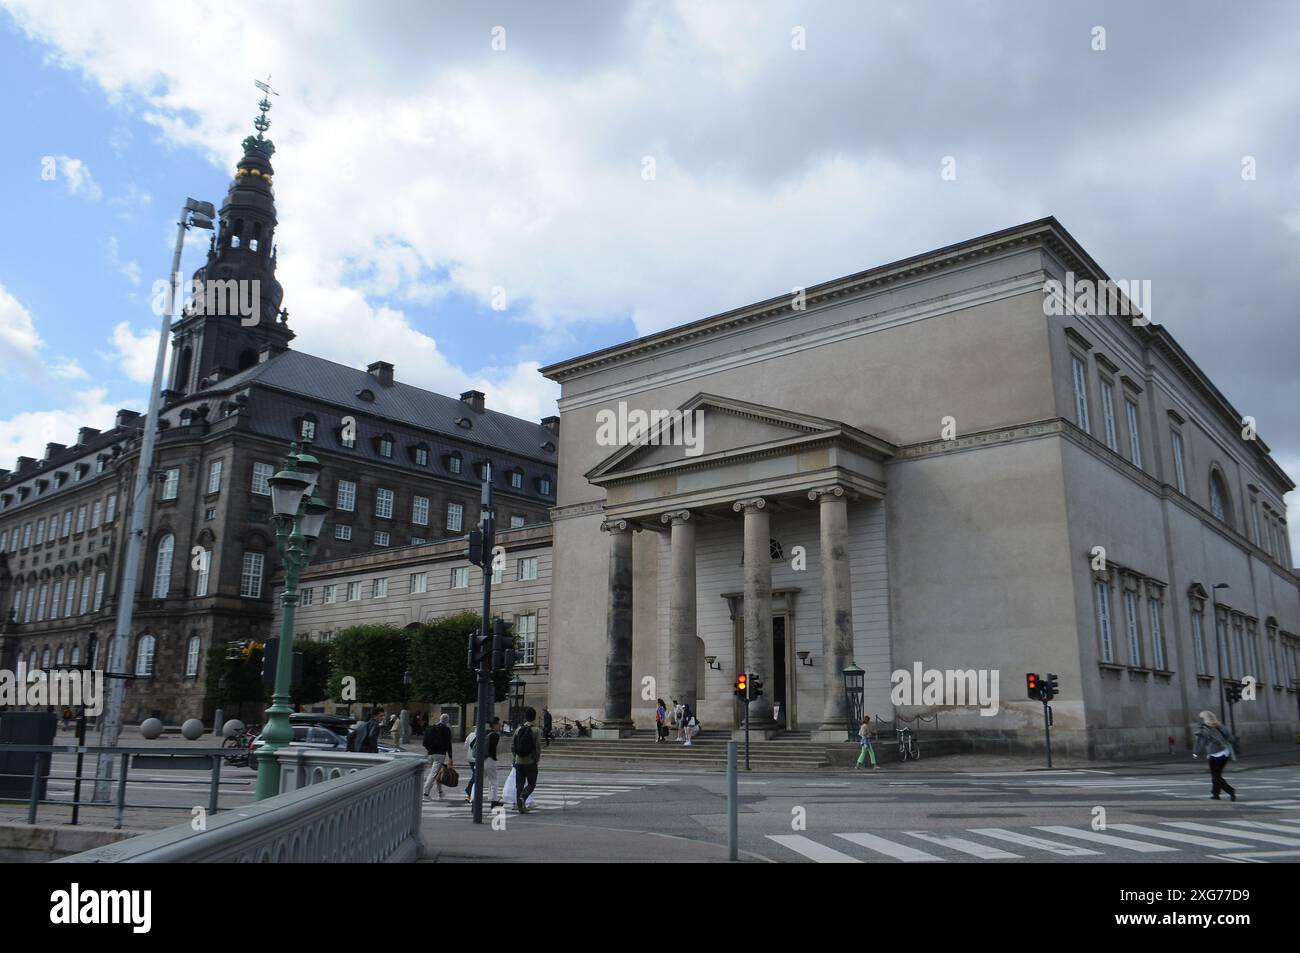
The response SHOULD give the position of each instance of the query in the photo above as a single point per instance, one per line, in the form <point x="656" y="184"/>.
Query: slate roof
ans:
<point x="333" y="383"/>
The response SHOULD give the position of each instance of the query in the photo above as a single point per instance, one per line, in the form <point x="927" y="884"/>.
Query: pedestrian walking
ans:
<point x="403" y="727"/>
<point x="490" y="761"/>
<point x="1220" y="746"/>
<point x="437" y="741"/>
<point x="661" y="716"/>
<point x="527" y="756"/>
<point x="547" y="725"/>
<point x="864" y="740"/>
<point x="692" y="724"/>
<point x="469" y="759"/>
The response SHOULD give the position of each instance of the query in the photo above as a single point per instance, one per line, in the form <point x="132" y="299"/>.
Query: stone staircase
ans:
<point x="789" y="750"/>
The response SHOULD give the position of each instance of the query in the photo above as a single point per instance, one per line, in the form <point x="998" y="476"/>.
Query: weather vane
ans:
<point x="261" y="123"/>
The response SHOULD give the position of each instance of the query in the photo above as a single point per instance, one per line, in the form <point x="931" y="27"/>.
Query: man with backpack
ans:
<point x="528" y="754"/>
<point x="437" y="741"/>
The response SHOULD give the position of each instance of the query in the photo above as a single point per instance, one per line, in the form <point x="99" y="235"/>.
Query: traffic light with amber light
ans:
<point x="1032" y="687"/>
<point x="742" y="686"/>
<point x="1051" y="688"/>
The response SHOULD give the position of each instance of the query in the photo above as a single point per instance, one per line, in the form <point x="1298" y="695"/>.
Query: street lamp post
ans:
<point x="1218" y="648"/>
<point x="855" y="680"/>
<point x="298" y="517"/>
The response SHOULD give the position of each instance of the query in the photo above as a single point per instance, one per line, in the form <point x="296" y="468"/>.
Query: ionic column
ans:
<point x="682" y="660"/>
<point x="837" y="602"/>
<point x="758" y="605"/>
<point x="618" y="627"/>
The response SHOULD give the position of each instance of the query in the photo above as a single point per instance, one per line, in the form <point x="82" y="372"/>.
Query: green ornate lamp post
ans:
<point x="298" y="517"/>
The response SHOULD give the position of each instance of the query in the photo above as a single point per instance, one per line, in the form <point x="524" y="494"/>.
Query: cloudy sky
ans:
<point x="431" y="153"/>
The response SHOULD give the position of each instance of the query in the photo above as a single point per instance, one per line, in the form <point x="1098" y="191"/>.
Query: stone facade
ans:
<point x="914" y="430"/>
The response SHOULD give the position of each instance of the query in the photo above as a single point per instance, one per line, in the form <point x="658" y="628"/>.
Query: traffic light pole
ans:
<point x="484" y="652"/>
<point x="1047" y="727"/>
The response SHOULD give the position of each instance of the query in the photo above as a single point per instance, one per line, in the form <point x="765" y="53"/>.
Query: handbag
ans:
<point x="447" y="776"/>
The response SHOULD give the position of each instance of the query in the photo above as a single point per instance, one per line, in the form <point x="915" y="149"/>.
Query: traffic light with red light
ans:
<point x="742" y="686"/>
<point x="1033" y="688"/>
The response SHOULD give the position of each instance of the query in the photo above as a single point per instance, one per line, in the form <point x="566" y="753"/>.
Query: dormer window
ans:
<point x="307" y="427"/>
<point x="544" y="485"/>
<point x="420" y="455"/>
<point x="187" y="418"/>
<point x="516" y="479"/>
<point x="366" y="394"/>
<point x="454" y="463"/>
<point x="465" y="423"/>
<point x="548" y="447"/>
<point x="384" y="445"/>
<point x="234" y="241"/>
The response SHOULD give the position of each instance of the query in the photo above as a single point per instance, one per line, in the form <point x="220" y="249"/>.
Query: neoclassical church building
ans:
<point x="936" y="462"/>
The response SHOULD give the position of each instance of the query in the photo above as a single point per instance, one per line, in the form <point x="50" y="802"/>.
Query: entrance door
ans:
<point x="778" y="678"/>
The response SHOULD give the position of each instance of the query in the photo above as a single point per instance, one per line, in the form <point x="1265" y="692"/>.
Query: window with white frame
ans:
<point x="421" y="457"/>
<point x="1157" y="635"/>
<point x="345" y="497"/>
<point x="1252" y="647"/>
<point x="262" y="473"/>
<point x="1131" y="624"/>
<point x="420" y="511"/>
<point x="110" y="509"/>
<point x="1108" y="414"/>
<point x="385" y="446"/>
<point x="1179" y="475"/>
<point x="382" y="538"/>
<point x="40" y="532"/>
<point x="81" y="519"/>
<point x="516" y="521"/>
<point x="1239" y="646"/>
<point x="306" y="596"/>
<point x="171" y="485"/>
<point x="201" y="574"/>
<point x="96" y="514"/>
<point x="1134" y="434"/>
<point x="85" y="595"/>
<point x="497" y="572"/>
<point x="250" y="575"/>
<point x="1080" y="372"/>
<point x="384" y="503"/>
<point x="214" y="476"/>
<point x="1225" y="650"/>
<point x="354" y="592"/>
<point x="546" y="486"/>
<point x="40" y="602"/>
<point x="56" y="598"/>
<point x="454" y="463"/>
<point x="342" y="531"/>
<point x="419" y="582"/>
<point x="1254" y="521"/>
<point x="307" y="431"/>
<point x="516" y="480"/>
<point x="70" y="597"/>
<point x="526" y="638"/>
<point x="144" y="656"/>
<point x="460" y="577"/>
<point x="527" y="568"/>
<point x="192" y="656"/>
<point x="1101" y="590"/>
<point x="162" y="567"/>
<point x="27" y="532"/>
<point x="455" y="517"/>
<point x="1218" y="497"/>
<point x="331" y="593"/>
<point x="379" y="588"/>
<point x="67" y="524"/>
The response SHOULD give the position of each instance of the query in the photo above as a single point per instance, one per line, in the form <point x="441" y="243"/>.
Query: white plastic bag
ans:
<point x="509" y="792"/>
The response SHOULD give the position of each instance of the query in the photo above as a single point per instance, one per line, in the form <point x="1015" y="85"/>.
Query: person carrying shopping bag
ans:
<point x="864" y="740"/>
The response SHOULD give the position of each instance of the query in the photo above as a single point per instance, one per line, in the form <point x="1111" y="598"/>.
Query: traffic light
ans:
<point x="742" y="686"/>
<point x="1032" y="687"/>
<point x="271" y="662"/>
<point x="755" y="687"/>
<point x="480" y="648"/>
<point x="1051" y="688"/>
<point x="474" y="553"/>
<point x="503" y="647"/>
<point x="1234" y="694"/>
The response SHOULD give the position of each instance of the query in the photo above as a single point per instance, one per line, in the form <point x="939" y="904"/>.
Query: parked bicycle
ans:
<point x="241" y="746"/>
<point x="907" y="747"/>
<point x="563" y="729"/>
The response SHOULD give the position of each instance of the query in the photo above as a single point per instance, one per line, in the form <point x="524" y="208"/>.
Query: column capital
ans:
<point x="754" y="503"/>
<point x="615" y="526"/>
<point x="675" y="517"/>
<point x="822" y="494"/>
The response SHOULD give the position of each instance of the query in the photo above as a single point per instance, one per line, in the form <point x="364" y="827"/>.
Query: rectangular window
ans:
<point x="306" y="596"/>
<point x="419" y="582"/>
<point x="1179" y="476"/>
<point x="214" y="476"/>
<point x="331" y="594"/>
<point x="1254" y="521"/>
<point x="516" y="480"/>
<point x="81" y="518"/>
<point x="460" y="577"/>
<point x="421" y="457"/>
<point x="96" y="513"/>
<point x="1080" y="372"/>
<point x="1108" y="414"/>
<point x="384" y="503"/>
<point x="1103" y="620"/>
<point x="453" y="464"/>
<point x="40" y="531"/>
<point x="385" y="447"/>
<point x="210" y="513"/>
<point x="201" y="580"/>
<point x="101" y="579"/>
<point x="526" y="638"/>
<point x="171" y="483"/>
<point x="354" y="592"/>
<point x="27" y="529"/>
<point x="496" y="575"/>
<point x="1239" y="644"/>
<point x="85" y="595"/>
<point x="250" y="576"/>
<point x="381" y="538"/>
<point x="1225" y="650"/>
<point x="1134" y="434"/>
<point x="262" y="473"/>
<point x="345" y="498"/>
<point x="379" y="588"/>
<point x="455" y="516"/>
<point x="110" y="510"/>
<point x="40" y="602"/>
<point x="308" y="431"/>
<point x="67" y="523"/>
<point x="420" y="511"/>
<point x="527" y="568"/>
<point x="70" y="599"/>
<point x="1157" y="636"/>
<point x="31" y="604"/>
<point x="418" y="540"/>
<point x="56" y="598"/>
<point x="546" y="486"/>
<point x="342" y="531"/>
<point x="1131" y="621"/>
<point x="1252" y="645"/>
<point x="516" y="522"/>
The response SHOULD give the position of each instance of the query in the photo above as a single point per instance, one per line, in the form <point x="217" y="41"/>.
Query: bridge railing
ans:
<point x="334" y="807"/>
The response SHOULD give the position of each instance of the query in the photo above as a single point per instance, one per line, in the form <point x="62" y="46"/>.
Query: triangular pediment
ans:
<point x="706" y="426"/>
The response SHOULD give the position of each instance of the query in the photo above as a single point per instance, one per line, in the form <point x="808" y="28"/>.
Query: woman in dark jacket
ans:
<point x="1218" y="744"/>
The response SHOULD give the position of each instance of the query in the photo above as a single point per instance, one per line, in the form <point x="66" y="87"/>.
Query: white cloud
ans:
<point x="130" y="269"/>
<point x="19" y="343"/>
<point x="75" y="174"/>
<point x="135" y="352"/>
<point x="69" y="369"/>
<point x="26" y="434"/>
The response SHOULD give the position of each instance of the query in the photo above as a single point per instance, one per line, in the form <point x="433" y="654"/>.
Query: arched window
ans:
<point x="45" y="658"/>
<point x="162" y="570"/>
<point x="1219" y="499"/>
<point x="76" y="656"/>
<point x="192" y="656"/>
<point x="60" y="656"/>
<point x="144" y="656"/>
<point x="32" y="660"/>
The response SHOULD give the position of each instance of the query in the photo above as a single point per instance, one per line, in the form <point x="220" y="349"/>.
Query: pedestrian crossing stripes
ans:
<point x="554" y="792"/>
<point x="1235" y="839"/>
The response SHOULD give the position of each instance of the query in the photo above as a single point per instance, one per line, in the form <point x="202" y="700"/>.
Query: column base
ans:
<point x="613" y="730"/>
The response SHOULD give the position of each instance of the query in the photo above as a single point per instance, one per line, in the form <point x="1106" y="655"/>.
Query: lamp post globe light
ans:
<point x="298" y="515"/>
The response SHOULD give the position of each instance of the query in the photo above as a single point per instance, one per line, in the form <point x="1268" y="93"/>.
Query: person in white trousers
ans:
<point x="490" y="783"/>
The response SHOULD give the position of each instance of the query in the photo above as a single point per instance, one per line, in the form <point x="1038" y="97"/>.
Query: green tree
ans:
<point x="316" y="662"/>
<point x="234" y="681"/>
<point x="440" y="670"/>
<point x="377" y="657"/>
